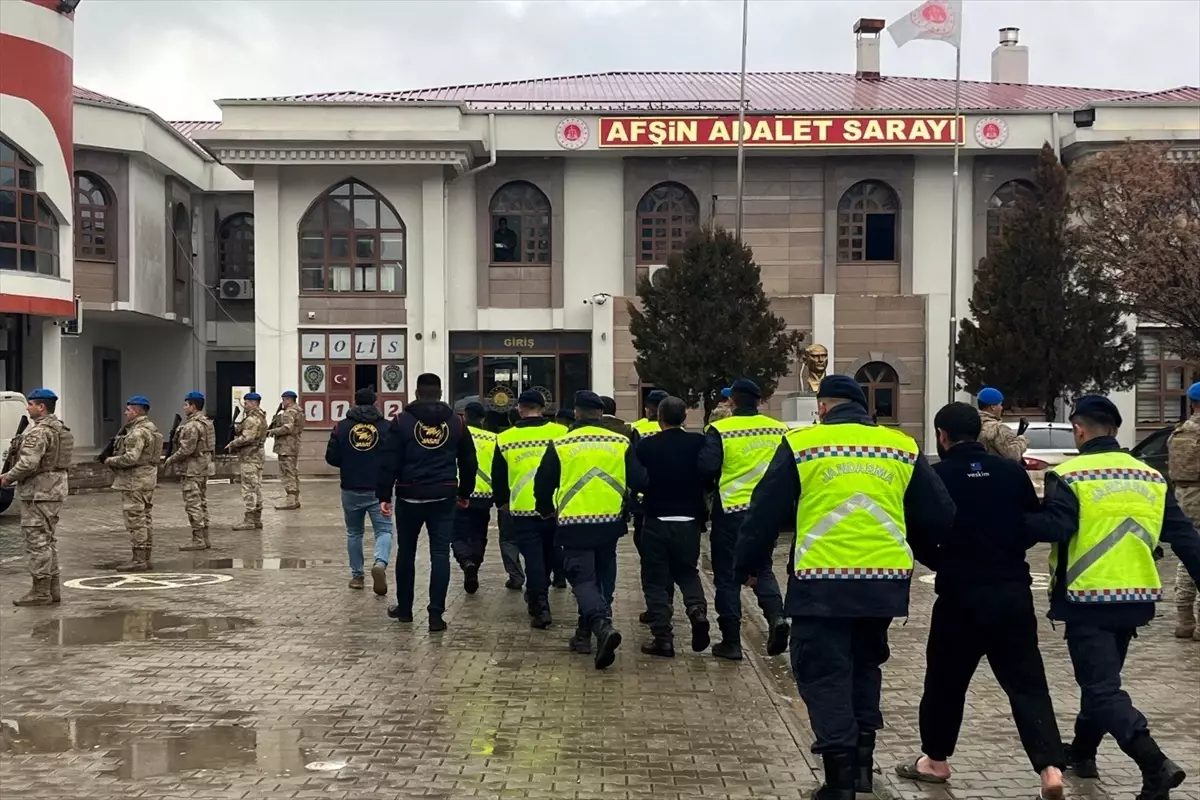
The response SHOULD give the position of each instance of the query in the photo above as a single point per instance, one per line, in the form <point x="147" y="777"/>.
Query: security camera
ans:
<point x="601" y="298"/>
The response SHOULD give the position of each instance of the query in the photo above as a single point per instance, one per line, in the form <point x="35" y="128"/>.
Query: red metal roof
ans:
<point x="718" y="91"/>
<point x="87" y="95"/>
<point x="187" y="128"/>
<point x="1180" y="94"/>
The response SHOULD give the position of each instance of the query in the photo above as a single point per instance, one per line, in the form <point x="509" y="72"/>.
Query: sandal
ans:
<point x="909" y="770"/>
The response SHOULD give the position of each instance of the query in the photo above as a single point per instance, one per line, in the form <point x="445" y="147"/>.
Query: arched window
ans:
<point x="235" y="247"/>
<point x="520" y="216"/>
<point x="95" y="219"/>
<point x="882" y="387"/>
<point x="28" y="228"/>
<point x="1000" y="205"/>
<point x="352" y="240"/>
<point x="181" y="233"/>
<point x="666" y="216"/>
<point x="868" y="223"/>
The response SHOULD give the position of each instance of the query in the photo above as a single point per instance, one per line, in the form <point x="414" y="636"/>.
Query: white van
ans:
<point x="12" y="408"/>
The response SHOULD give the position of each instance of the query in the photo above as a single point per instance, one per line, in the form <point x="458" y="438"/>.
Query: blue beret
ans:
<point x="746" y="385"/>
<point x="841" y="387"/>
<point x="42" y="394"/>
<point x="728" y="390"/>
<point x="1193" y="392"/>
<point x="1096" y="404"/>
<point x="194" y="396"/>
<point x="531" y="397"/>
<point x="252" y="396"/>
<point x="656" y="396"/>
<point x="138" y="400"/>
<point x="990" y="397"/>
<point x="589" y="399"/>
<point x="289" y="393"/>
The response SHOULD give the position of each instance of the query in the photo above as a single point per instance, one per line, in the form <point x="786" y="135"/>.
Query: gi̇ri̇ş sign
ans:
<point x="773" y="131"/>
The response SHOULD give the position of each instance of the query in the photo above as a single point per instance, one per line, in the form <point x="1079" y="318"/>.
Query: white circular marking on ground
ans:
<point x="1040" y="580"/>
<point x="325" y="766"/>
<point x="145" y="581"/>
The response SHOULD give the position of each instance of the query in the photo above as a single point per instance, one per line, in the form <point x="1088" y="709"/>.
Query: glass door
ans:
<point x="501" y="387"/>
<point x="540" y="373"/>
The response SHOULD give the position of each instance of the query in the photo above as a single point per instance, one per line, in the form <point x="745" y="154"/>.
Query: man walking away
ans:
<point x="356" y="448"/>
<point x="193" y="448"/>
<point x="288" y="428"/>
<point x="1105" y="512"/>
<point x="736" y="453"/>
<point x="518" y="453"/>
<point x="471" y="523"/>
<point x="136" y="455"/>
<point x="1184" y="453"/>
<point x="865" y="501"/>
<point x="645" y="427"/>
<point x="674" y="505"/>
<point x="584" y="479"/>
<point x="248" y="444"/>
<point x="430" y="461"/>
<point x="996" y="437"/>
<point x="984" y="606"/>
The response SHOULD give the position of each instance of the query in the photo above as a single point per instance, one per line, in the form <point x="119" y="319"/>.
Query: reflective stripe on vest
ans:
<point x="592" y="486"/>
<point x="485" y="451"/>
<point x="748" y="444"/>
<point x="647" y="427"/>
<point x="522" y="448"/>
<point x="1110" y="559"/>
<point x="850" y="522"/>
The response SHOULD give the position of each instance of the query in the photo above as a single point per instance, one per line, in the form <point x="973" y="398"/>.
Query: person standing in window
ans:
<point x="505" y="242"/>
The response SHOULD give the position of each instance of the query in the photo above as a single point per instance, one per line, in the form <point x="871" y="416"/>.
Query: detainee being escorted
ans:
<point x="287" y="429"/>
<point x="42" y="456"/>
<point x="136" y="455"/>
<point x="471" y="523"/>
<point x="356" y="448"/>
<point x="248" y="446"/>
<point x="192" y="452"/>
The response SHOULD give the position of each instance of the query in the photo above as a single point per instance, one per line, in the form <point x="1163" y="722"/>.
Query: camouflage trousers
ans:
<point x="290" y="474"/>
<point x="1185" y="587"/>
<point x="39" y="518"/>
<point x="195" y="500"/>
<point x="136" y="507"/>
<point x="251" y="477"/>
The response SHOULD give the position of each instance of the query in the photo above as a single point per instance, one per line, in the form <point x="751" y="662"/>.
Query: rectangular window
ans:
<point x="336" y="364"/>
<point x="1161" y="398"/>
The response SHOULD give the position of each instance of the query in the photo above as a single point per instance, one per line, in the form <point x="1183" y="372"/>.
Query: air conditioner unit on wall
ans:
<point x="237" y="289"/>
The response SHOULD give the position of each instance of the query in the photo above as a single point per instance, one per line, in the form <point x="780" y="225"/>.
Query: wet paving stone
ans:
<point x="250" y="671"/>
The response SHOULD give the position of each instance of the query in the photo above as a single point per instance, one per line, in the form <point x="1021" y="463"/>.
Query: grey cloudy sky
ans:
<point x="175" y="56"/>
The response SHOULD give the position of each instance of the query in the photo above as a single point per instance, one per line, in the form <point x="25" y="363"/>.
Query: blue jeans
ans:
<point x="355" y="505"/>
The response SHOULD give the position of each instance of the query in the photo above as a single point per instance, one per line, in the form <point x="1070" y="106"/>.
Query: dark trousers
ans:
<point x="584" y="567"/>
<point x="997" y="622"/>
<point x="728" y="599"/>
<point x="639" y="536"/>
<point x="836" y="662"/>
<point x="470" y="535"/>
<point x="532" y="534"/>
<point x="1098" y="656"/>
<point x="551" y="554"/>
<point x="670" y="553"/>
<point x="510" y="552"/>
<point x="438" y="519"/>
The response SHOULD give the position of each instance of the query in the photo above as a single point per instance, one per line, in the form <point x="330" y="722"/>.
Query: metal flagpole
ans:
<point x="741" y="142"/>
<point x="958" y="136"/>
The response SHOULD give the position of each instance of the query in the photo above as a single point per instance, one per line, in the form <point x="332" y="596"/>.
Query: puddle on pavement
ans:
<point x="274" y="752"/>
<point x="134" y="626"/>
<point x="262" y="563"/>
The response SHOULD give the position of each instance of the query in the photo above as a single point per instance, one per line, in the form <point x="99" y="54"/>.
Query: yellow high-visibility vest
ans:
<point x="522" y="448"/>
<point x="646" y="427"/>
<point x="485" y="451"/>
<point x="592" y="486"/>
<point x="748" y="444"/>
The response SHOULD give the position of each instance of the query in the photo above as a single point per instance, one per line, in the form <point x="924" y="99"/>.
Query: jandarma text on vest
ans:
<point x="1143" y="488"/>
<point x="836" y="471"/>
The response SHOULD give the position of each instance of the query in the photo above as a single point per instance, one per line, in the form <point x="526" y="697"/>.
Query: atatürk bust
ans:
<point x="814" y="363"/>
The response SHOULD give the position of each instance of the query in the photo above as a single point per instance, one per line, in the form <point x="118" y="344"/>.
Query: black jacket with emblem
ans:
<point x="357" y="448"/>
<point x="427" y="448"/>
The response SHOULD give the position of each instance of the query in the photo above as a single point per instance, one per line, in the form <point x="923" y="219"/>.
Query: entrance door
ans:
<point x="539" y="372"/>
<point x="501" y="386"/>
<point x="109" y="406"/>
<point x="220" y="408"/>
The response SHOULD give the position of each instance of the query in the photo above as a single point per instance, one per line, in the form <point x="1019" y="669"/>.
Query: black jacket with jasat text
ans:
<point x="428" y="447"/>
<point x="357" y="448"/>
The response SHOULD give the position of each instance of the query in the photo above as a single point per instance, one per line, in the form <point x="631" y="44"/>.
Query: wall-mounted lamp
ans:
<point x="1084" y="117"/>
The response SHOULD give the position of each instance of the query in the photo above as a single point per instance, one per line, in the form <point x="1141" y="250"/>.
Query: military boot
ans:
<point x="730" y="646"/>
<point x="292" y="501"/>
<point x="661" y="646"/>
<point x="247" y="523"/>
<point x="55" y="588"/>
<point x="608" y="639"/>
<point x="1159" y="774"/>
<point x="199" y="541"/>
<point x="864" y="763"/>
<point x="777" y="638"/>
<point x="1185" y="621"/>
<point x="700" y="629"/>
<point x="140" y="562"/>
<point x="257" y="517"/>
<point x="39" y="595"/>
<point x="839" y="777"/>
<point x="581" y="642"/>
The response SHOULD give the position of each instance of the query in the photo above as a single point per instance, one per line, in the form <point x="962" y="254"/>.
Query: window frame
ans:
<point x="38" y="223"/>
<point x="524" y="235"/>
<point x="663" y="247"/>
<point x="998" y="207"/>
<point x="1162" y="395"/>
<point x="849" y="207"/>
<point x="870" y="385"/>
<point x="388" y="401"/>
<point x="108" y="206"/>
<point x="237" y="219"/>
<point x="328" y="260"/>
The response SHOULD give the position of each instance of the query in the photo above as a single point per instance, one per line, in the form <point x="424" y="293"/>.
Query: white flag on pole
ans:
<point x="940" y="20"/>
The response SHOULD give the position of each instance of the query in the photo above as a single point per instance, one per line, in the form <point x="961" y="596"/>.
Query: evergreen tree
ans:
<point x="1046" y="324"/>
<point x="705" y="320"/>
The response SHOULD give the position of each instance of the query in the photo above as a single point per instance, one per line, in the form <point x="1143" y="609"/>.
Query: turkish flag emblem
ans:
<point x="340" y="378"/>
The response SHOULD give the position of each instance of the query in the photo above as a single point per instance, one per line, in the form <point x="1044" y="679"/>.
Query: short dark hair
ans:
<point x="474" y="412"/>
<point x="1095" y="420"/>
<point x="960" y="421"/>
<point x="672" y="411"/>
<point x="610" y="405"/>
<point x="197" y="404"/>
<point x="429" y="386"/>
<point x="743" y="399"/>
<point x="582" y="412"/>
<point x="49" y="403"/>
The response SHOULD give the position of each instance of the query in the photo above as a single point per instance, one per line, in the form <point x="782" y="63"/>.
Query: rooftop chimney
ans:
<point x="866" y="45"/>
<point x="1010" y="61"/>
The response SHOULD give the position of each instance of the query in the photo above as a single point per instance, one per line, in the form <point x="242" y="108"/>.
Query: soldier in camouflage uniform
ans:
<point x="998" y="438"/>
<point x="724" y="408"/>
<point x="1184" y="454"/>
<point x="251" y="433"/>
<point x="193" y="450"/>
<point x="137" y="453"/>
<point x="42" y="457"/>
<point x="287" y="428"/>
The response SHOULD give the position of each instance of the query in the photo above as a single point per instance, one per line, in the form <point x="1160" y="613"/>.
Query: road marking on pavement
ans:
<point x="1040" y="580"/>
<point x="145" y="581"/>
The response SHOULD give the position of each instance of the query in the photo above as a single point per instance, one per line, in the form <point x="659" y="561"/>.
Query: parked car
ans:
<point x="1153" y="450"/>
<point x="1050" y="444"/>
<point x="12" y="408"/>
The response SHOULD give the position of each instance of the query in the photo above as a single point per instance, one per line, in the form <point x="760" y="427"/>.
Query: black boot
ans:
<point x="581" y="642"/>
<point x="559" y="582"/>
<point x="608" y="639"/>
<point x="864" y="763"/>
<point x="1081" y="763"/>
<point x="839" y="777"/>
<point x="436" y="623"/>
<point x="644" y="618"/>
<point x="471" y="577"/>
<point x="659" y="646"/>
<point x="541" y="618"/>
<point x="1159" y="774"/>
<point x="700" y="629"/>
<point x="777" y="636"/>
<point x="730" y="646"/>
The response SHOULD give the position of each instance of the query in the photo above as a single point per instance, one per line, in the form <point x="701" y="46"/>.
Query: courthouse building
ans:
<point x="494" y="233"/>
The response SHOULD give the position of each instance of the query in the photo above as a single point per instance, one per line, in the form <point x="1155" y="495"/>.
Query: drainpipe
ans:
<point x="1054" y="136"/>
<point x="491" y="162"/>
